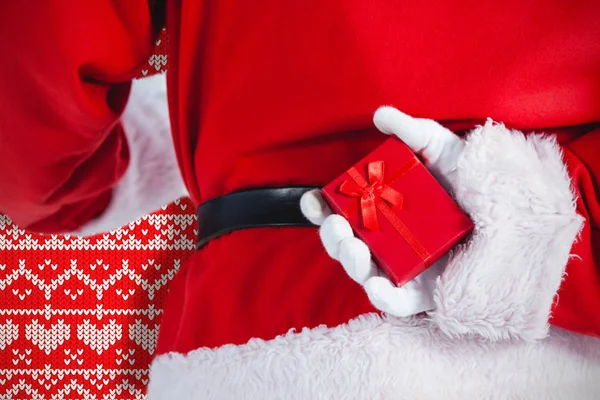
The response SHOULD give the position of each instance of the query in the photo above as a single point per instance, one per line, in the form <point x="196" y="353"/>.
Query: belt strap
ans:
<point x="255" y="208"/>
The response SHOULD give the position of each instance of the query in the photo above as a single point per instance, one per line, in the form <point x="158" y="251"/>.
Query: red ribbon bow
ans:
<point x="372" y="193"/>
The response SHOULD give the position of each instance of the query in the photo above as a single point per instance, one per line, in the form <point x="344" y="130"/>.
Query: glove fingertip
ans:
<point x="384" y="119"/>
<point x="377" y="286"/>
<point x="314" y="207"/>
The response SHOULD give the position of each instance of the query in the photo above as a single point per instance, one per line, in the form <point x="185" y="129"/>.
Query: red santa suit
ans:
<point x="282" y="93"/>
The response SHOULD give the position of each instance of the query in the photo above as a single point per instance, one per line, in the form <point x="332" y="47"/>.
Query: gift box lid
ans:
<point x="416" y="220"/>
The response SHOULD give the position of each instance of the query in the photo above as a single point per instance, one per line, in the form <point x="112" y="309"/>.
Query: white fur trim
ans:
<point x="152" y="179"/>
<point x="374" y="358"/>
<point x="517" y="191"/>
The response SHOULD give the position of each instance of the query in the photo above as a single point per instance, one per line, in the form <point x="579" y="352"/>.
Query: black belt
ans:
<point x="255" y="208"/>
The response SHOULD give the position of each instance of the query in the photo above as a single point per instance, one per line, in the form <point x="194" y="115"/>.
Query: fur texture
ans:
<point x="152" y="179"/>
<point x="517" y="191"/>
<point x="374" y="358"/>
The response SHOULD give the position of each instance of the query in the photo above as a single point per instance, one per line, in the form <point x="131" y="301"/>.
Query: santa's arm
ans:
<point x="66" y="158"/>
<point x="535" y="207"/>
<point x="534" y="257"/>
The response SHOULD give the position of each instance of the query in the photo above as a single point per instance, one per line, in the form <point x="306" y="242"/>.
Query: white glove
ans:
<point x="440" y="150"/>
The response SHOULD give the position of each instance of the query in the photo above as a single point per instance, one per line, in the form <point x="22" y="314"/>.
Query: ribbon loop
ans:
<point x="376" y="171"/>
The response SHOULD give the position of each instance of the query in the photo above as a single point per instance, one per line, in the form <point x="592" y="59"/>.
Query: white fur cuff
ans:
<point x="517" y="191"/>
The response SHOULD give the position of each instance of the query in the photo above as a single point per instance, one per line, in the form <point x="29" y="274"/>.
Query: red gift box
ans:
<point x="398" y="208"/>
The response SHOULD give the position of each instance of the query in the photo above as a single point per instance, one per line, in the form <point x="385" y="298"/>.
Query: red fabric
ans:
<point x="407" y="201"/>
<point x="64" y="84"/>
<point x="578" y="299"/>
<point x="79" y="317"/>
<point x="283" y="93"/>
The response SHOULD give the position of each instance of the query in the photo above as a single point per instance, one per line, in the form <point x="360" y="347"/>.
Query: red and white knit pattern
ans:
<point x="79" y="317"/>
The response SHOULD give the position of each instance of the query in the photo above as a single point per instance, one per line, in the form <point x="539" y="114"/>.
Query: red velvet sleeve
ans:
<point x="65" y="78"/>
<point x="577" y="307"/>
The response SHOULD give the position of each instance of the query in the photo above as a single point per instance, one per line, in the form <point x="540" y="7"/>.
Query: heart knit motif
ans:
<point x="143" y="335"/>
<point x="47" y="339"/>
<point x="99" y="339"/>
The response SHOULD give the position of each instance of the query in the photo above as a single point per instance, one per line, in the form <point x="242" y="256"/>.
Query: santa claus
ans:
<point x="270" y="99"/>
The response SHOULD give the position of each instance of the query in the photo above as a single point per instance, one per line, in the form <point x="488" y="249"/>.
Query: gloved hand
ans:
<point x="439" y="149"/>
